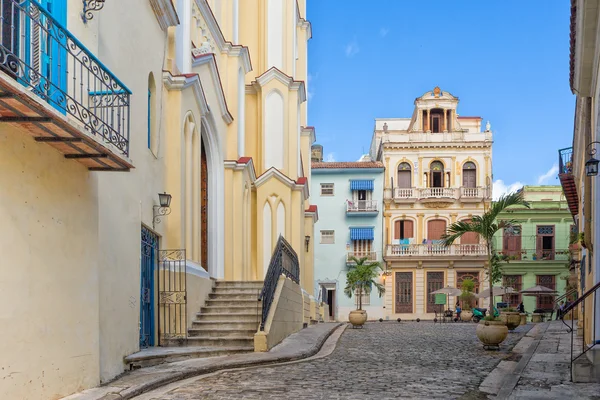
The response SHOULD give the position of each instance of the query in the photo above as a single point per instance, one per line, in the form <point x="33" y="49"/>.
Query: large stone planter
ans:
<point x="511" y="319"/>
<point x="466" y="315"/>
<point x="536" y="317"/>
<point x="357" y="317"/>
<point x="491" y="333"/>
<point x="523" y="319"/>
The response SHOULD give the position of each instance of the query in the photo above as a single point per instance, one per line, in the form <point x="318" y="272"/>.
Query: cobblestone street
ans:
<point x="382" y="361"/>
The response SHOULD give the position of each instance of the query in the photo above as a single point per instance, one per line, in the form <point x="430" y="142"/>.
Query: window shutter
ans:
<point x="408" y="229"/>
<point x="397" y="229"/>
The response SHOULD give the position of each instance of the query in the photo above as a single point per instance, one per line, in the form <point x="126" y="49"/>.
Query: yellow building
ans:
<point x="438" y="171"/>
<point x="103" y="105"/>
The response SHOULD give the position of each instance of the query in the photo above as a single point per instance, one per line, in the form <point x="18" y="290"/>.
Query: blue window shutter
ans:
<point x="362" y="234"/>
<point x="361" y="184"/>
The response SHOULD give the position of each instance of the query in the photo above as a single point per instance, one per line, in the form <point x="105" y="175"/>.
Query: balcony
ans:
<point x="371" y="256"/>
<point x="55" y="89"/>
<point x="472" y="195"/>
<point x="434" y="250"/>
<point x="362" y="208"/>
<point x="534" y="255"/>
<point x="567" y="180"/>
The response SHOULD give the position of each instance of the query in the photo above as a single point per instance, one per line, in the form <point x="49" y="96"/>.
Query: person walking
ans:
<point x="521" y="308"/>
<point x="458" y="311"/>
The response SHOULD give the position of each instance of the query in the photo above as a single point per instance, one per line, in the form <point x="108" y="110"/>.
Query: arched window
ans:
<point x="469" y="175"/>
<point x="403" y="229"/>
<point x="469" y="237"/>
<point x="404" y="175"/>
<point x="436" y="228"/>
<point x="436" y="176"/>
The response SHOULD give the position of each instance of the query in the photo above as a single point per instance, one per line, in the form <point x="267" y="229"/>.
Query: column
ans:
<point x="453" y="172"/>
<point x="387" y="239"/>
<point x="428" y="122"/>
<point x="387" y="173"/>
<point x="420" y="172"/>
<point x="445" y="127"/>
<point x="453" y="217"/>
<point x="451" y="281"/>
<point x="420" y="228"/>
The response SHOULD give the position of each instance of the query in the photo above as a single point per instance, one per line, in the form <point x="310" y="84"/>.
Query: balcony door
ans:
<point x="469" y="175"/>
<point x="403" y="229"/>
<point x="436" y="175"/>
<point x="436" y="228"/>
<point x="545" y="242"/>
<point x="511" y="242"/>
<point x="47" y="51"/>
<point x="404" y="175"/>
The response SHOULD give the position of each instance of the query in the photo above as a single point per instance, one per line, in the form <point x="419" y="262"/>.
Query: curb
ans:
<point x="137" y="390"/>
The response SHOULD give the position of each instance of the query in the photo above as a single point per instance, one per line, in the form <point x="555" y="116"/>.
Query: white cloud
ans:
<point x="310" y="93"/>
<point x="500" y="188"/>
<point x="352" y="49"/>
<point x="383" y="32"/>
<point x="547" y="177"/>
<point x="330" y="157"/>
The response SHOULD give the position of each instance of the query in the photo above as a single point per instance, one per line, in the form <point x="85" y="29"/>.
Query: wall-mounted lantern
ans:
<point x="591" y="165"/>
<point x="164" y="199"/>
<point x="306" y="241"/>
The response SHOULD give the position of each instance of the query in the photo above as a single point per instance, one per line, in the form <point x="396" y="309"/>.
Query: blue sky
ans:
<point x="507" y="61"/>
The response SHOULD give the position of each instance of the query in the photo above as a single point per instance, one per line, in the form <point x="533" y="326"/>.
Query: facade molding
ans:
<point x="210" y="61"/>
<point x="165" y="13"/>
<point x="288" y="81"/>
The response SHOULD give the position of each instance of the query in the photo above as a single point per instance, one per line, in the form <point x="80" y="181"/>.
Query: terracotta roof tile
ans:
<point x="347" y="164"/>
<point x="301" y="181"/>
<point x="311" y="208"/>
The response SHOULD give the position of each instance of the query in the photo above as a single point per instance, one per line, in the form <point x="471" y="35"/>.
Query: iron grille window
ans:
<point x="366" y="298"/>
<point x="545" y="230"/>
<point x="327" y="237"/>
<point x="326" y="189"/>
<point x="515" y="282"/>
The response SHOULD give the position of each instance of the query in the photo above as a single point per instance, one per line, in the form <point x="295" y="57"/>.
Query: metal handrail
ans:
<point x="284" y="261"/>
<point x="593" y="291"/>
<point x="43" y="56"/>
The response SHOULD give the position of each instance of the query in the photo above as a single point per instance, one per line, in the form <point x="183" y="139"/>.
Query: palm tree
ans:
<point x="362" y="277"/>
<point x="486" y="226"/>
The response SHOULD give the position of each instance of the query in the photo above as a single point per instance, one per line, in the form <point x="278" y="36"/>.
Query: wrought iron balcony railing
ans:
<point x="435" y="249"/>
<point x="44" y="57"/>
<point x="565" y="161"/>
<point x="534" y="255"/>
<point x="361" y="206"/>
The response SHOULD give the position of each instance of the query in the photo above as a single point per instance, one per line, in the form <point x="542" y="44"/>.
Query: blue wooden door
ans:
<point x="53" y="52"/>
<point x="148" y="268"/>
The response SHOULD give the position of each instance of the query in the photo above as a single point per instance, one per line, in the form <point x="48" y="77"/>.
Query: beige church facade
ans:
<point x="203" y="100"/>
<point x="438" y="171"/>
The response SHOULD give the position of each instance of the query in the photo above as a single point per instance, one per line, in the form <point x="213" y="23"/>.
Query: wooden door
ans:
<point x="469" y="178"/>
<point x="435" y="281"/>
<point x="546" y="302"/>
<point x="404" y="292"/>
<point x="511" y="243"/>
<point x="436" y="228"/>
<point x="403" y="229"/>
<point x="545" y="242"/>
<point x="474" y="276"/>
<point x="203" y="208"/>
<point x="404" y="179"/>
<point x="469" y="237"/>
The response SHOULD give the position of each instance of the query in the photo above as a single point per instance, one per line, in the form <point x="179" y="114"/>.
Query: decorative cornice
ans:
<point x="165" y="13"/>
<point x="224" y="46"/>
<point x="310" y="132"/>
<point x="437" y="204"/>
<point x="243" y="163"/>
<point x="288" y="81"/>
<point x="211" y="62"/>
<point x="301" y="185"/>
<point x="312" y="212"/>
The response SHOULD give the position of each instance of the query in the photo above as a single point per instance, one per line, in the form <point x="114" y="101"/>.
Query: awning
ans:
<point x="361" y="184"/>
<point x="361" y="234"/>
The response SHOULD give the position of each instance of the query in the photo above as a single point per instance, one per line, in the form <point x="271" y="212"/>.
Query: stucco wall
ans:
<point x="198" y="286"/>
<point x="285" y="315"/>
<point x="49" y="274"/>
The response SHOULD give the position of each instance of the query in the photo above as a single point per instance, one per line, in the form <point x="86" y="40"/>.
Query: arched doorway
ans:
<point x="436" y="173"/>
<point x="469" y="175"/>
<point x="404" y="175"/>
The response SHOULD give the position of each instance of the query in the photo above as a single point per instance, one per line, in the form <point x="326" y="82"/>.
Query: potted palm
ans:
<point x="491" y="331"/>
<point x="467" y="297"/>
<point x="361" y="278"/>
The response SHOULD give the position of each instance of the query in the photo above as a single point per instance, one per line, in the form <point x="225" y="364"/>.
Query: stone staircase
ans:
<point x="230" y="317"/>
<point x="225" y="325"/>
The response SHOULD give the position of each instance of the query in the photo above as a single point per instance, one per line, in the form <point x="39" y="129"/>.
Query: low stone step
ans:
<point x="231" y="324"/>
<point x="232" y="310"/>
<point x="160" y="355"/>
<point x="219" y="302"/>
<point x="233" y="341"/>
<point x="223" y="332"/>
<point x="233" y="296"/>
<point x="239" y="284"/>
<point x="229" y="317"/>
<point x="250" y="290"/>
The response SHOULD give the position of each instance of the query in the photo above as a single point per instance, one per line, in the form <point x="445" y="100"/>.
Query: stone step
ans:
<point x="233" y="296"/>
<point x="229" y="317"/>
<point x="222" y="332"/>
<point x="232" y="303"/>
<point x="231" y="324"/>
<point x="239" y="284"/>
<point x="161" y="355"/>
<point x="232" y="309"/>
<point x="233" y="341"/>
<point x="226" y="290"/>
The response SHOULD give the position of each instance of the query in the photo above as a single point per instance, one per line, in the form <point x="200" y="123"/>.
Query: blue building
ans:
<point x="349" y="198"/>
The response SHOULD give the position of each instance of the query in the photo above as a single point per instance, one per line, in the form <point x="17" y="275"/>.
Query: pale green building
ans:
<point x="536" y="251"/>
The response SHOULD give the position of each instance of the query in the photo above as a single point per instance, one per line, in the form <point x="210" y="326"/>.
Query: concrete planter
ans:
<point x="511" y="319"/>
<point x="466" y="315"/>
<point x="357" y="317"/>
<point x="536" y="317"/>
<point x="491" y="333"/>
<point x="523" y="319"/>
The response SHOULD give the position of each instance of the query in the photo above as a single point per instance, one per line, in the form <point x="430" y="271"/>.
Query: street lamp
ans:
<point x="164" y="199"/>
<point x="591" y="165"/>
<point x="306" y="241"/>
